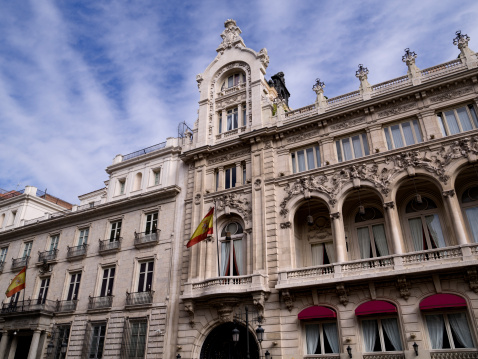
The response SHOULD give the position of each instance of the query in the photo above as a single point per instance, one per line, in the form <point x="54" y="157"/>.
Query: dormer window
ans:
<point x="233" y="80"/>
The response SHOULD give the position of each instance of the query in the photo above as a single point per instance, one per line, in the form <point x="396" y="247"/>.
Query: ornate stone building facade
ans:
<point x="349" y="226"/>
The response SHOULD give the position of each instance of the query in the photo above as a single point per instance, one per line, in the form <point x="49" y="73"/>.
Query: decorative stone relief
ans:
<point x="288" y="299"/>
<point x="258" y="300"/>
<point x="285" y="225"/>
<point x="451" y="94"/>
<point x="189" y="307"/>
<point x="396" y="110"/>
<point x="230" y="101"/>
<point x="197" y="199"/>
<point x="242" y="205"/>
<point x="227" y="157"/>
<point x="302" y="136"/>
<point x="471" y="277"/>
<point x="230" y="36"/>
<point x="199" y="79"/>
<point x="224" y="311"/>
<point x="449" y="193"/>
<point x="403" y="287"/>
<point x="342" y="293"/>
<point x="389" y="205"/>
<point x="263" y="57"/>
<point x="347" y="124"/>
<point x="257" y="184"/>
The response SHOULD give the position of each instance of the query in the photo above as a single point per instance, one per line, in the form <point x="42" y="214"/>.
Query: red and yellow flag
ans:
<point x="204" y="228"/>
<point x="17" y="284"/>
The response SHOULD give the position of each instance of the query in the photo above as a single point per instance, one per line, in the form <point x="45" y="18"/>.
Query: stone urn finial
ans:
<point x="467" y="56"/>
<point x="365" y="88"/>
<point x="413" y="71"/>
<point x="320" y="102"/>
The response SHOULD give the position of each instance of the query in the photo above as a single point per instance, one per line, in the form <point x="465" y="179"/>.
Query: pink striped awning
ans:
<point x="375" y="307"/>
<point x="316" y="312"/>
<point x="442" y="301"/>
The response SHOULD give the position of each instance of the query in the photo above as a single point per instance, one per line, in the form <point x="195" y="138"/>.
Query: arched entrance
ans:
<point x="219" y="344"/>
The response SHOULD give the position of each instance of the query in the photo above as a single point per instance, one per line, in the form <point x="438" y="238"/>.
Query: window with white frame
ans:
<point x="11" y="218"/>
<point x="457" y="120"/>
<point x="230" y="177"/>
<point x="54" y="239"/>
<point x="424" y="224"/>
<point x="244" y="115"/>
<point x="145" y="278"/>
<point x="305" y="159"/>
<point x="74" y="286"/>
<point x="115" y="231"/>
<point x="151" y="225"/>
<point x="233" y="80"/>
<point x="402" y="134"/>
<point x="134" y="338"/>
<point x="107" y="282"/>
<point x="27" y="249"/>
<point x="3" y="254"/>
<point x="43" y="291"/>
<point x="95" y="339"/>
<point x="83" y="236"/>
<point x="232" y="250"/>
<point x="121" y="186"/>
<point x="322" y="338"/>
<point x="371" y="237"/>
<point x="449" y="331"/>
<point x="232" y="119"/>
<point x="381" y="335"/>
<point x="156" y="176"/>
<point x="469" y="202"/>
<point x="355" y="146"/>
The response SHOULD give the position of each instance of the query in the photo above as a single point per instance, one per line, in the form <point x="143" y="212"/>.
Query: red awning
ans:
<point x="316" y="312"/>
<point x="442" y="301"/>
<point x="375" y="307"/>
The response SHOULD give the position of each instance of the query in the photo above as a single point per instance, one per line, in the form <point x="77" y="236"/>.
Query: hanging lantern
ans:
<point x="310" y="220"/>
<point x="361" y="210"/>
<point x="418" y="199"/>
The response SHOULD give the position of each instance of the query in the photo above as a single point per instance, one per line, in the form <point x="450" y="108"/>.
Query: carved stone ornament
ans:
<point x="449" y="193"/>
<point x="197" y="199"/>
<point x="189" y="307"/>
<point x="396" y="110"/>
<point x="225" y="311"/>
<point x="347" y="124"/>
<point x="403" y="287"/>
<point x="263" y="57"/>
<point x="389" y="205"/>
<point x="302" y="136"/>
<point x="257" y="184"/>
<point x="230" y="36"/>
<point x="451" y="94"/>
<point x="258" y="300"/>
<point x="242" y="205"/>
<point x="288" y="299"/>
<point x="471" y="277"/>
<point x="342" y="293"/>
<point x="227" y="157"/>
<point x="285" y="225"/>
<point x="199" y="79"/>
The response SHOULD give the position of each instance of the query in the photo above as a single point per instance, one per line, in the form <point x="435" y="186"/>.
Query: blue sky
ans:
<point x="81" y="81"/>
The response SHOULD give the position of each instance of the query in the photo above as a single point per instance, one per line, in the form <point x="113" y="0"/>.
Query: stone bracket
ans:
<point x="342" y="293"/>
<point x="189" y="307"/>
<point x="471" y="276"/>
<point x="403" y="287"/>
<point x="288" y="299"/>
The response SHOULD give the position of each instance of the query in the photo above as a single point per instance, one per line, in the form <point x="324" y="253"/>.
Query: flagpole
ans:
<point x="24" y="289"/>
<point x="217" y="239"/>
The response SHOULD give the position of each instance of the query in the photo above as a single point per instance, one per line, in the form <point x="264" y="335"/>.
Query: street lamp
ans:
<point x="235" y="335"/>
<point x="49" y="348"/>
<point x="415" y="347"/>
<point x="267" y="355"/>
<point x="260" y="334"/>
<point x="178" y="356"/>
<point x="349" y="351"/>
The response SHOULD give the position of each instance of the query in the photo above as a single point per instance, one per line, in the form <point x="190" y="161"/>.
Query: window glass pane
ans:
<point x="371" y="336"/>
<point x="294" y="168"/>
<point x="418" y="134"/>
<point x="451" y="122"/>
<point x="230" y="81"/>
<point x="312" y="338"/>
<point x="301" y="160"/>
<point x="460" y="330"/>
<point x="233" y="180"/>
<point x="397" y="136"/>
<point x="408" y="133"/>
<point x="473" y="115"/>
<point x="357" y="146"/>
<point x="365" y="144"/>
<point x="434" y="229"/>
<point x="339" y="151"/>
<point x="244" y="117"/>
<point x="310" y="158"/>
<point x="464" y="119"/>
<point x="472" y="216"/>
<point x="235" y="118"/>
<point x="440" y="123"/>
<point x="391" y="334"/>
<point x="347" y="149"/>
<point x="236" y="79"/>
<point x="387" y="137"/>
<point x="229" y="120"/>
<point x="220" y="123"/>
<point x="364" y="242"/>
<point x="331" y="338"/>
<point x="217" y="180"/>
<point x="436" y="331"/>
<point x="228" y="178"/>
<point x="317" y="155"/>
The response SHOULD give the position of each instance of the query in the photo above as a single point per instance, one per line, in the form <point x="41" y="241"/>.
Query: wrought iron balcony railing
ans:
<point x="29" y="305"/>
<point x="47" y="255"/>
<point x="139" y="298"/>
<point x="100" y="302"/>
<point x="77" y="252"/>
<point x="146" y="238"/>
<point x="20" y="262"/>
<point x="66" y="305"/>
<point x="109" y="245"/>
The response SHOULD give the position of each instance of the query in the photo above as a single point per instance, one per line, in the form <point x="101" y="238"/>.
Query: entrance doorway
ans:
<point x="23" y="346"/>
<point x="219" y="344"/>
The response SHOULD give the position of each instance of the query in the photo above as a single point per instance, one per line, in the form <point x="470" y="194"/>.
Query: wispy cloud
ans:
<point x="81" y="81"/>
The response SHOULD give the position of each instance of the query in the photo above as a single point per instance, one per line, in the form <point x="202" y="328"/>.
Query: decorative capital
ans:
<point x="449" y="193"/>
<point x="461" y="40"/>
<point x="361" y="73"/>
<point x="409" y="57"/>
<point x="319" y="86"/>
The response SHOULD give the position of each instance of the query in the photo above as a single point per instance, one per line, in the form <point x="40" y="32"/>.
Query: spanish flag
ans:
<point x="17" y="284"/>
<point x="204" y="228"/>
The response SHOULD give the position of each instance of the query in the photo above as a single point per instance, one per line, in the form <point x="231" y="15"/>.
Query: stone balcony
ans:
<point x="109" y="246"/>
<point x="232" y="90"/>
<point x="454" y="354"/>
<point x="226" y="285"/>
<point x="399" y="264"/>
<point x="48" y="256"/>
<point x="146" y="239"/>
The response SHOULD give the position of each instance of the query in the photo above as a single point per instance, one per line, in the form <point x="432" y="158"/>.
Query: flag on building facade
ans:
<point x="17" y="284"/>
<point x="203" y="230"/>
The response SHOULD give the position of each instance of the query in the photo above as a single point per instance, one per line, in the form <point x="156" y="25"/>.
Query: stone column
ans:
<point x="454" y="213"/>
<point x="13" y="348"/>
<point x="238" y="174"/>
<point x="220" y="186"/>
<point x="328" y="152"/>
<point x="240" y="121"/>
<point x="224" y="121"/>
<point x="394" y="226"/>
<point x="32" y="353"/>
<point x="3" y="344"/>
<point x="339" y="237"/>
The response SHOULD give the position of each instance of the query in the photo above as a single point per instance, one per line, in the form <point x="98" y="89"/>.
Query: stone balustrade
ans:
<point x="454" y="355"/>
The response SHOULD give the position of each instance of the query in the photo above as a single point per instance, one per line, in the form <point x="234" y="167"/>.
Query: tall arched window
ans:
<point x="424" y="224"/>
<point x="371" y="237"/>
<point x="232" y="250"/>
<point x="233" y="80"/>
<point x="469" y="201"/>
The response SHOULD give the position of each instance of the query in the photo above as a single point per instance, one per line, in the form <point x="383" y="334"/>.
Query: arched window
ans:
<point x="469" y="201"/>
<point x="137" y="181"/>
<point x="321" y="334"/>
<point x="424" y="224"/>
<point x="232" y="250"/>
<point x="371" y="237"/>
<point x="233" y="80"/>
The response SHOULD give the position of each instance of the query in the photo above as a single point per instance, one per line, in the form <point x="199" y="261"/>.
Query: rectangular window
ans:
<point x="74" y="286"/>
<point x="54" y="242"/>
<point x="457" y="120"/>
<point x="381" y="335"/>
<point x="232" y="120"/>
<point x="145" y="279"/>
<point x="97" y="341"/>
<point x="61" y="336"/>
<point x="115" y="231"/>
<point x="107" y="282"/>
<point x="3" y="254"/>
<point x="217" y="180"/>
<point x="156" y="174"/>
<point x="27" y="249"/>
<point x="151" y="223"/>
<point x="220" y="122"/>
<point x="44" y="285"/>
<point x="244" y="173"/>
<point x="244" y="117"/>
<point x="83" y="236"/>
<point x="134" y="339"/>
<point x="322" y="338"/>
<point x="402" y="134"/>
<point x="11" y="219"/>
<point x="230" y="178"/>
<point x="352" y="147"/>
<point x="449" y="331"/>
<point x="122" y="184"/>
<point x="305" y="159"/>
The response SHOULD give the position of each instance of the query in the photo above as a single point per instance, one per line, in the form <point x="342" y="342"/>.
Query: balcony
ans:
<point x="414" y="262"/>
<point x="78" y="252"/>
<point x="64" y="306"/>
<point x="146" y="239"/>
<point x="29" y="306"/>
<point x="20" y="262"/>
<point x="100" y="302"/>
<point x="226" y="285"/>
<point x="451" y="354"/>
<point x="232" y="90"/>
<point x="384" y="356"/>
<point x="110" y="246"/>
<point x="48" y="256"/>
<point x="139" y="298"/>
